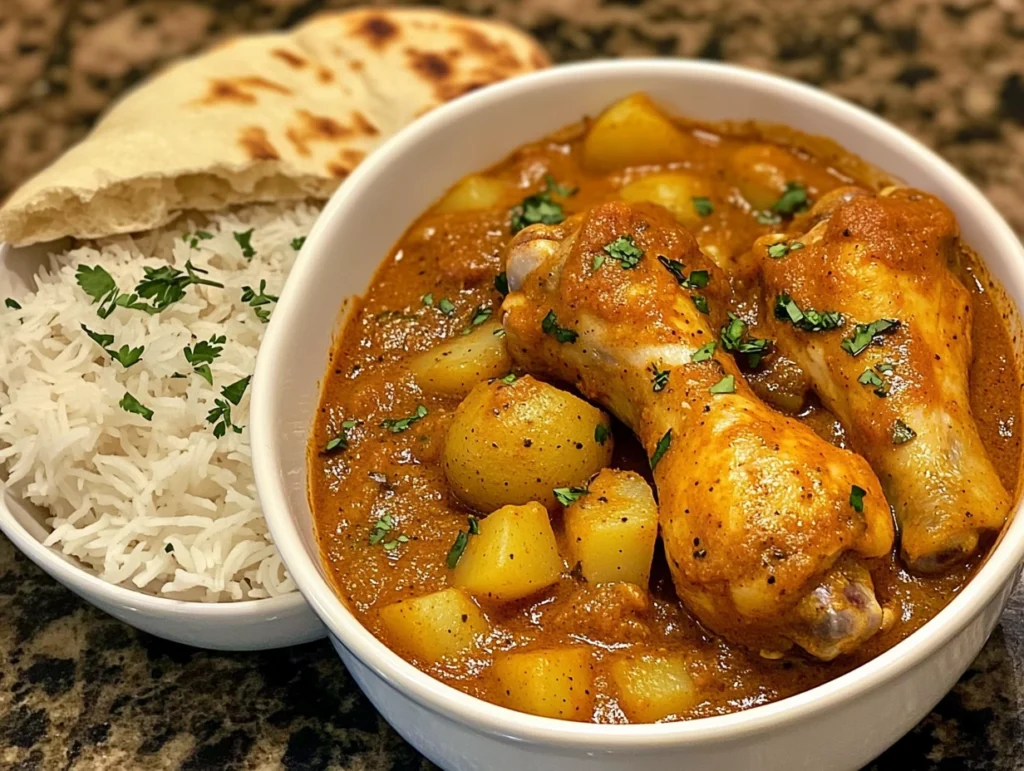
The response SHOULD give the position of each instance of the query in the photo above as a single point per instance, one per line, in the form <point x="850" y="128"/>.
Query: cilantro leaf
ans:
<point x="398" y="425"/>
<point x="857" y="498"/>
<point x="734" y="338"/>
<point x="809" y="319"/>
<point x="868" y="334"/>
<point x="625" y="250"/>
<point x="659" y="379"/>
<point x="902" y="433"/>
<point x="601" y="433"/>
<point x="446" y="306"/>
<point x="220" y="416"/>
<point x="727" y="385"/>
<point x="549" y="326"/>
<point x="539" y="208"/>
<point x="258" y="299"/>
<point x="13" y="304"/>
<point x="95" y="282"/>
<point x="298" y="242"/>
<point x="130" y="404"/>
<point x="501" y="283"/>
<point x="233" y="392"/>
<point x="100" y="339"/>
<point x="793" y="200"/>
<point x="461" y="542"/>
<point x="661" y="448"/>
<point x="244" y="240"/>
<point x="703" y="206"/>
<point x="569" y="495"/>
<point x="704" y="353"/>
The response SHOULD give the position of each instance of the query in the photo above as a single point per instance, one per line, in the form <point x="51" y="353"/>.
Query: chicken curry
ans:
<point x="659" y="419"/>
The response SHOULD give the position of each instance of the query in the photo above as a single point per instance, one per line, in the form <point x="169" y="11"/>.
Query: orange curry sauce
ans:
<point x="457" y="256"/>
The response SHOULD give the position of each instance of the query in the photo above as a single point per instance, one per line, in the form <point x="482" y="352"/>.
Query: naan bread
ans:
<point x="266" y="117"/>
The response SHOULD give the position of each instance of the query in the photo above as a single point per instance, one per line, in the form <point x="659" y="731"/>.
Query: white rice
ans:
<point x="160" y="505"/>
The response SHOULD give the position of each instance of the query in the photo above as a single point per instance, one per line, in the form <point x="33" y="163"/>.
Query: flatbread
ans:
<point x="271" y="117"/>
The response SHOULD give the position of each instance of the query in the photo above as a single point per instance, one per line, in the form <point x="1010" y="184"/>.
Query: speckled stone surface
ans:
<point x="79" y="690"/>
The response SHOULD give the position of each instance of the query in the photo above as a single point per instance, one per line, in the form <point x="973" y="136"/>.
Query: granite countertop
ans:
<point x="79" y="690"/>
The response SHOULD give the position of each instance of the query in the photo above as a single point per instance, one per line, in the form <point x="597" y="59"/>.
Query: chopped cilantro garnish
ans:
<point x="767" y="218"/>
<point x="703" y="206"/>
<point x="100" y="339"/>
<point x="866" y="334"/>
<point x="902" y="433"/>
<point x="569" y="495"/>
<point x="340" y="442"/>
<point x="661" y="448"/>
<point x="857" y="498"/>
<point x="100" y="286"/>
<point x="195" y="238"/>
<point x="233" y="392"/>
<point x="871" y="378"/>
<point x="202" y="354"/>
<point x="480" y="315"/>
<point x="461" y="541"/>
<point x="598" y="261"/>
<point x="428" y="299"/>
<point x="793" y="200"/>
<point x="13" y="304"/>
<point x="701" y="302"/>
<point x="509" y="379"/>
<point x="124" y="355"/>
<point x="446" y="306"/>
<point x="809" y="320"/>
<point x="244" y="240"/>
<point x="398" y="425"/>
<point x="734" y="338"/>
<point x="220" y="416"/>
<point x="501" y="283"/>
<point x="778" y="251"/>
<point x="601" y="433"/>
<point x="256" y="300"/>
<point x="625" y="250"/>
<point x="562" y="334"/>
<point x="380" y="531"/>
<point x="539" y="208"/>
<point x="298" y="242"/>
<point x="129" y="403"/>
<point x="704" y="353"/>
<point x="659" y="379"/>
<point x="727" y="385"/>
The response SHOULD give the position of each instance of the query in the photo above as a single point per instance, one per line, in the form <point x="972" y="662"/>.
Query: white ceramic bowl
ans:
<point x="840" y="725"/>
<point x="238" y="626"/>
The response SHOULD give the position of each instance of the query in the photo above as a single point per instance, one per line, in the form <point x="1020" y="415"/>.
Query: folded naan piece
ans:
<point x="270" y="117"/>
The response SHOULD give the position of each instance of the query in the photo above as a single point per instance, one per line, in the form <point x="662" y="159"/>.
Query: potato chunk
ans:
<point x="458" y="364"/>
<point x="435" y="626"/>
<point x="676" y="192"/>
<point x="513" y="556"/>
<point x="634" y="132"/>
<point x="473" y="193"/>
<point x="514" y="443"/>
<point x="652" y="686"/>
<point x="552" y="682"/>
<point x="611" y="531"/>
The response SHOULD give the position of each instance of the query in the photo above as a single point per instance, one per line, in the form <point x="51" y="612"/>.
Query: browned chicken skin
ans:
<point x="903" y="396"/>
<point x="762" y="536"/>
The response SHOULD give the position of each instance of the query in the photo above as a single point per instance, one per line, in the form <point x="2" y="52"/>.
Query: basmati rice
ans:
<point x="161" y="505"/>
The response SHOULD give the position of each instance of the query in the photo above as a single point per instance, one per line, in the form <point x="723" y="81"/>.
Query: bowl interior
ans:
<point x="374" y="207"/>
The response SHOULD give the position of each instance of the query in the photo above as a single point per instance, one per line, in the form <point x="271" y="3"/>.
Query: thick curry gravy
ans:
<point x="456" y="256"/>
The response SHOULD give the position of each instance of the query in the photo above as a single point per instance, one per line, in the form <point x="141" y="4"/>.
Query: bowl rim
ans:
<point x="81" y="580"/>
<point x="997" y="571"/>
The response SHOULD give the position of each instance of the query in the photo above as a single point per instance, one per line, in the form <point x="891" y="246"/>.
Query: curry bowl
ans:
<point x="840" y="724"/>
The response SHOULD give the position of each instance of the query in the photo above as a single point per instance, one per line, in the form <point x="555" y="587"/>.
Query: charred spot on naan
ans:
<point x="254" y="141"/>
<point x="346" y="161"/>
<point x="499" y="54"/>
<point x="310" y="128"/>
<point x="432" y="66"/>
<point x="376" y="30"/>
<point x="289" y="58"/>
<point x="238" y="90"/>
